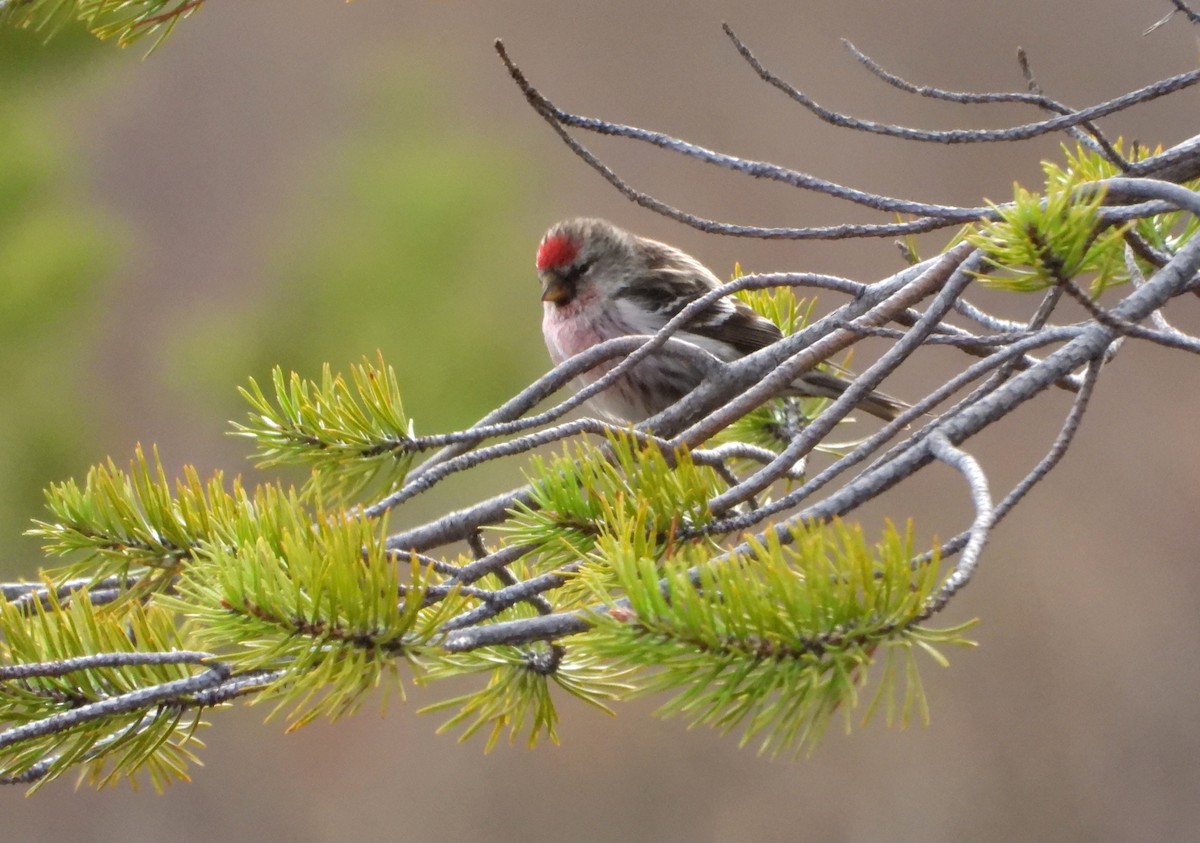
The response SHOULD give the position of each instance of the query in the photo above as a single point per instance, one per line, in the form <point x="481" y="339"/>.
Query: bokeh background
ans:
<point x="310" y="181"/>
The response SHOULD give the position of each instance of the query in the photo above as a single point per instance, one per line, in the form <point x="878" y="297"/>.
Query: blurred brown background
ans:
<point x="309" y="181"/>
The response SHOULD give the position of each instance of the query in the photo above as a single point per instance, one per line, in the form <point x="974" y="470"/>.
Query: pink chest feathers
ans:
<point x="568" y="329"/>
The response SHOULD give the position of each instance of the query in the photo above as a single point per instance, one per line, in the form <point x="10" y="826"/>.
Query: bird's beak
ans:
<point x="555" y="289"/>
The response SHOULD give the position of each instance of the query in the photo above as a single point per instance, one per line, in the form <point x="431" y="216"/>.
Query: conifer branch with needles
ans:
<point x="125" y="21"/>
<point x="709" y="554"/>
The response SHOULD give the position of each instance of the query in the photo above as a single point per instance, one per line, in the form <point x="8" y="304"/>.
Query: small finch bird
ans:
<point x="600" y="282"/>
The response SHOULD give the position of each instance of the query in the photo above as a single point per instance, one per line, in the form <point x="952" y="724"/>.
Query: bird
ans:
<point x="600" y="282"/>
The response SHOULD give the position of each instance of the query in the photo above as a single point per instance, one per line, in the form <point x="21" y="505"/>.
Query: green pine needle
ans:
<point x="518" y="697"/>
<point x="778" y="304"/>
<point x="157" y="742"/>
<point x="1041" y="239"/>
<point x="354" y="435"/>
<point x="775" y="642"/>
<point x="125" y="20"/>
<point x="121" y="521"/>
<point x="1165" y="232"/>
<point x="576" y="494"/>
<point x="775" y="424"/>
<point x="325" y="602"/>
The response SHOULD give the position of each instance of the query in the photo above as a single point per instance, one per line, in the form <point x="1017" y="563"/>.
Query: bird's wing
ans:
<point x="727" y="321"/>
<point x="734" y="323"/>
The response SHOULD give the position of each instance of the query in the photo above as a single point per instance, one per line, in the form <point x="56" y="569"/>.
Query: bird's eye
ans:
<point x="578" y="271"/>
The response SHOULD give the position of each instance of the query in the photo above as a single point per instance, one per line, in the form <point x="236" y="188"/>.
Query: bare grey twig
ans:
<point x="1191" y="14"/>
<point x="981" y="528"/>
<point x="1180" y="6"/>
<point x="1025" y="132"/>
<point x="134" y="659"/>
<point x="133" y="701"/>
<point x="819" y="427"/>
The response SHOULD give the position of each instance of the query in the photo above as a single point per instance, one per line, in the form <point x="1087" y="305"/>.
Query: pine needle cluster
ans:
<point x="777" y="639"/>
<point x="126" y="21"/>
<point x="1041" y="240"/>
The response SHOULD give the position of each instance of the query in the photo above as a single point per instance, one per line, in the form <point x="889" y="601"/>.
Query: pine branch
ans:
<point x="125" y="20"/>
<point x="352" y="439"/>
<point x="706" y="554"/>
<point x="788" y="638"/>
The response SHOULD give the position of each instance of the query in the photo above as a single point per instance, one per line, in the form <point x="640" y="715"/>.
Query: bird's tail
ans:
<point x="827" y="385"/>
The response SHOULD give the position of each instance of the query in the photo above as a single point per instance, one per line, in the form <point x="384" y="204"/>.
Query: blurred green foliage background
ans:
<point x="57" y="248"/>
<point x="406" y="240"/>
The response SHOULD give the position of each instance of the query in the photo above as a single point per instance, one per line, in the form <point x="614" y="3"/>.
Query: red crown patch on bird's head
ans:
<point x="557" y="250"/>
